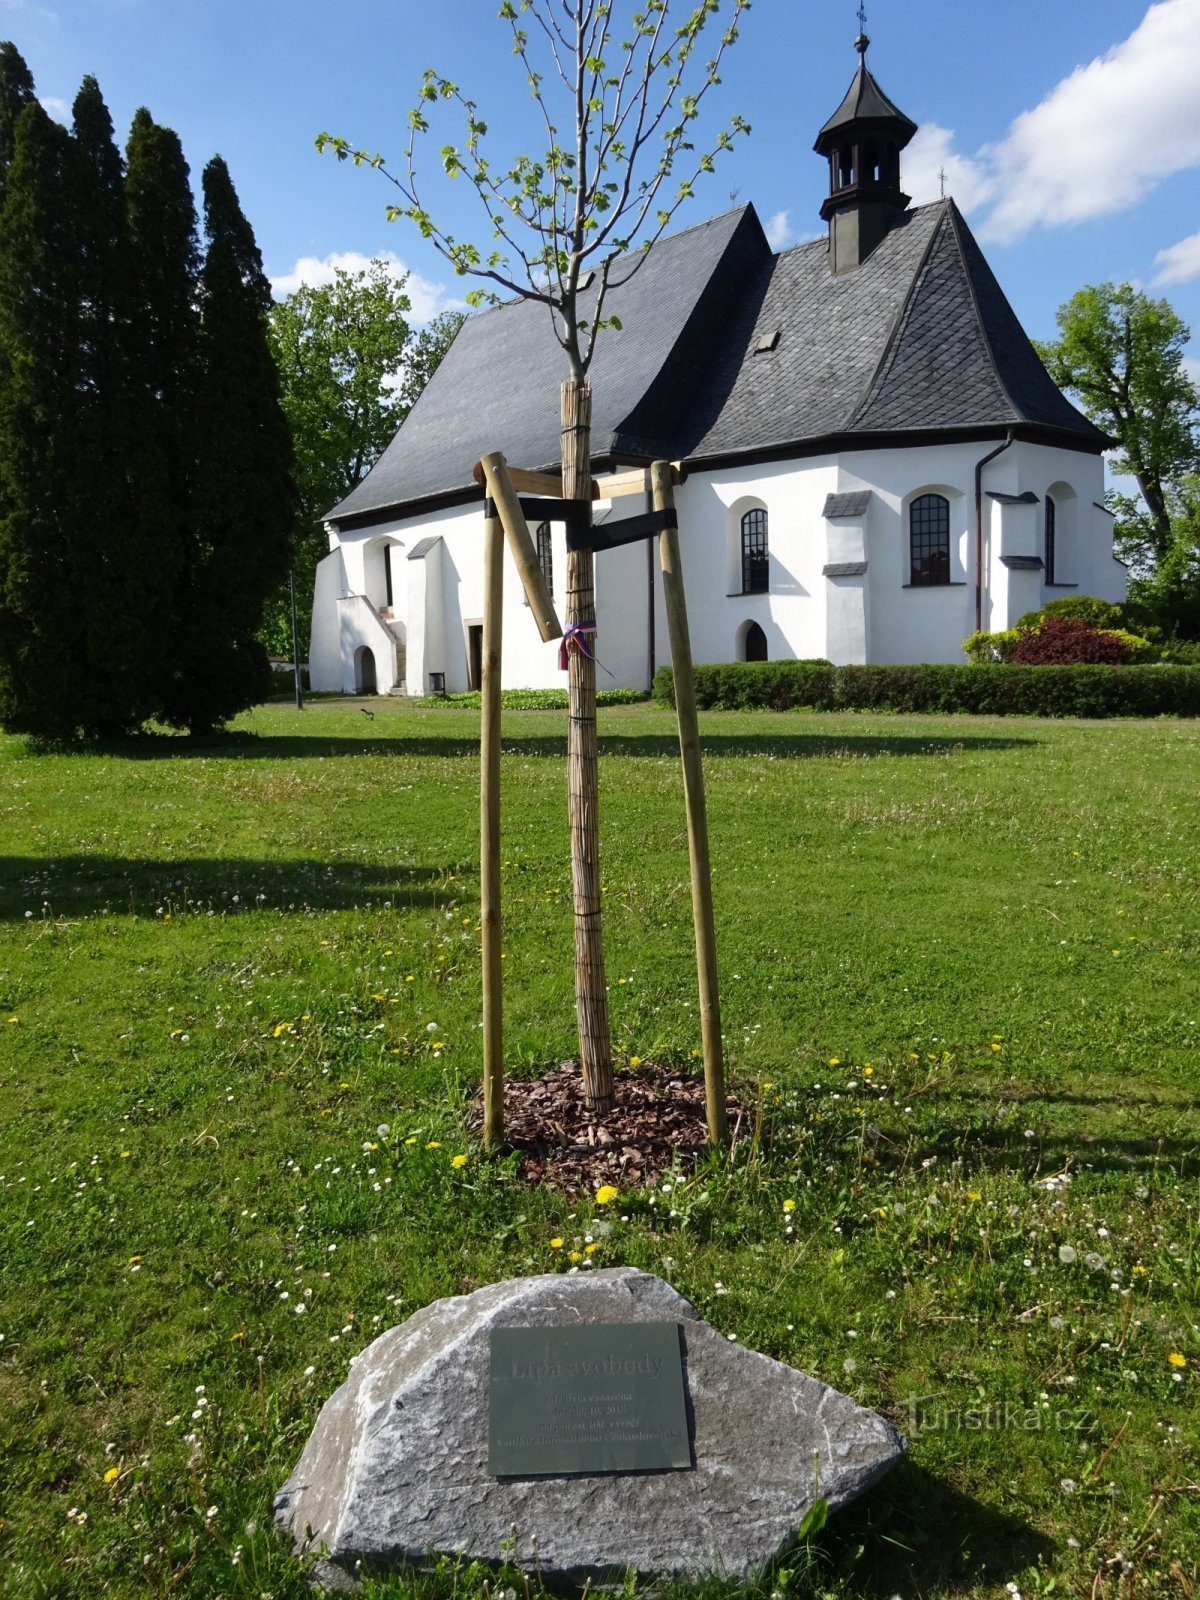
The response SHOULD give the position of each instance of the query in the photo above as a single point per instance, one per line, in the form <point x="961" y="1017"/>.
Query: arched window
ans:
<point x="1050" y="517"/>
<point x="929" y="539"/>
<point x="755" y="644"/>
<point x="755" y="564"/>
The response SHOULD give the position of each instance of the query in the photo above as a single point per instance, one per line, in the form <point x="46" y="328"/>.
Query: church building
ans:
<point x="877" y="462"/>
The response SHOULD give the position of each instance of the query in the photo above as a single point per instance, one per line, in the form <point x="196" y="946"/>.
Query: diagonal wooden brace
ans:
<point x="501" y="492"/>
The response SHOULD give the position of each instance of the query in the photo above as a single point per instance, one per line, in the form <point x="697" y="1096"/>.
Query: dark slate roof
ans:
<point x="1022" y="563"/>
<point x="843" y="569"/>
<point x="865" y="102"/>
<point x="917" y="343"/>
<point x="498" y="386"/>
<point x="853" y="504"/>
<point x="423" y="546"/>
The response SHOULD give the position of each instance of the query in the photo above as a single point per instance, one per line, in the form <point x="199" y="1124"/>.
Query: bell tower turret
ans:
<point x="862" y="142"/>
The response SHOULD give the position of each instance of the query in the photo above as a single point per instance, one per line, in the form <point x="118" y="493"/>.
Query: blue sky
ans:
<point x="1070" y="134"/>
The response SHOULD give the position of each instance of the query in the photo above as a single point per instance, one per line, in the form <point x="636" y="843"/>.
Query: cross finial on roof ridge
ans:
<point x="861" y="43"/>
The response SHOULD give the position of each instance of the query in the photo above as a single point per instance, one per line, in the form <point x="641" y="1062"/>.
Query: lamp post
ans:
<point x="295" y="641"/>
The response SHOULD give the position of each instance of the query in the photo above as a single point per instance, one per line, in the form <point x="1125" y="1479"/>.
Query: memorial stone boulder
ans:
<point x="592" y="1423"/>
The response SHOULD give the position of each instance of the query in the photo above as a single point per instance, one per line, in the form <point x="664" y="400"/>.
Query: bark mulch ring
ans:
<point x="657" y="1123"/>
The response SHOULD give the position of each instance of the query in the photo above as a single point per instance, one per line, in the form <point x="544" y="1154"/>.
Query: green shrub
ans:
<point x="1004" y="690"/>
<point x="987" y="649"/>
<point x="1087" y="608"/>
<point x="1180" y="652"/>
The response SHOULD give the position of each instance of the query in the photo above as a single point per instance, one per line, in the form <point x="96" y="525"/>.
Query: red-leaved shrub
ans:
<point x="1068" y="642"/>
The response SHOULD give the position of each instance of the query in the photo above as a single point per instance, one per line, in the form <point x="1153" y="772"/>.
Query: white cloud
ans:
<point x="1179" y="262"/>
<point x="779" y="231"/>
<point x="1102" y="138"/>
<point x="1191" y="365"/>
<point x="930" y="155"/>
<point x="428" y="298"/>
<point x="56" y="107"/>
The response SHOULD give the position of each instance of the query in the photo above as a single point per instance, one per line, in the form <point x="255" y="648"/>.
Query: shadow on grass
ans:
<point x="145" y="887"/>
<point x="784" y="746"/>
<point x="916" y="1534"/>
<point x="1083" y="1144"/>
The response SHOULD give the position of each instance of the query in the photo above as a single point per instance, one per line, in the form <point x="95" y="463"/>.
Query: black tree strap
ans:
<point x="581" y="534"/>
<point x="628" y="530"/>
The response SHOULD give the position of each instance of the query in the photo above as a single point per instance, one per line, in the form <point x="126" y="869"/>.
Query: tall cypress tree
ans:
<point x="243" y="497"/>
<point x="119" y="682"/>
<point x="43" y="565"/>
<point x="163" y="352"/>
<point x="16" y="92"/>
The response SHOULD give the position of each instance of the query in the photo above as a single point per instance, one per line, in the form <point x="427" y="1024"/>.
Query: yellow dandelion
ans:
<point x="434" y="1144"/>
<point x="1177" y="1358"/>
<point x="124" y="1155"/>
<point x="972" y="1195"/>
<point x="588" y="1249"/>
<point x="635" y="1061"/>
<point x="605" y="1194"/>
<point x="14" y="1019"/>
<point x="411" y="1140"/>
<point x="868" y="1070"/>
<point x="835" y="1061"/>
<point x="236" y="1338"/>
<point x="281" y="1027"/>
<point x="789" y="1205"/>
<point x="133" y="1260"/>
<point x="112" y="1474"/>
<point x="556" y="1244"/>
<point x="1139" y="1271"/>
<point x="458" y="1161"/>
<point x="574" y="1255"/>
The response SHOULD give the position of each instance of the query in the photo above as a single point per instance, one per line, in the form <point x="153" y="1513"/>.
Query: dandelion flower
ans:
<point x="434" y="1144"/>
<point x="112" y="1474"/>
<point x="1067" y="1254"/>
<point x="1177" y="1358"/>
<point x="789" y="1205"/>
<point x="635" y="1061"/>
<point x="574" y="1255"/>
<point x="605" y="1194"/>
<point x="556" y="1244"/>
<point x="458" y="1161"/>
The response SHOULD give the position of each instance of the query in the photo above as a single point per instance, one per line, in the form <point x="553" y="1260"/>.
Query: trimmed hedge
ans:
<point x="528" y="699"/>
<point x="998" y="691"/>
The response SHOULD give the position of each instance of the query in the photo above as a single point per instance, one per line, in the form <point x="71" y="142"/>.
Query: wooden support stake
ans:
<point x="516" y="531"/>
<point x="697" y="818"/>
<point x="636" y="480"/>
<point x="526" y="482"/>
<point x="489" y="835"/>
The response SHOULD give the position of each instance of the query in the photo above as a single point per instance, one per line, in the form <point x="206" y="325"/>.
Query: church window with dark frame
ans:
<point x="545" y="554"/>
<point x="755" y="561"/>
<point x="1050" y="520"/>
<point x="929" y="540"/>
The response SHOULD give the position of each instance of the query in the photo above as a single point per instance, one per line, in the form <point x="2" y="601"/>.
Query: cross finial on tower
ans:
<point x="942" y="180"/>
<point x="861" y="43"/>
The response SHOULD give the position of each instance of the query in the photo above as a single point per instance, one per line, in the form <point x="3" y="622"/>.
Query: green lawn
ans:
<point x="959" y="980"/>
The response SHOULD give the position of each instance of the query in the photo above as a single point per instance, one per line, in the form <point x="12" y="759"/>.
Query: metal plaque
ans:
<point x="604" y="1397"/>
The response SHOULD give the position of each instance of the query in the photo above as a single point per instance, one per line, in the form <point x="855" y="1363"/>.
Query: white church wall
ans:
<point x="792" y="611"/>
<point x="324" y="648"/>
<point x="881" y="617"/>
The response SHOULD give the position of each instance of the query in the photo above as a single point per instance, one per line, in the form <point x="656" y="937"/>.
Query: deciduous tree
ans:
<point x="618" y="90"/>
<point x="351" y="366"/>
<point x="1122" y="354"/>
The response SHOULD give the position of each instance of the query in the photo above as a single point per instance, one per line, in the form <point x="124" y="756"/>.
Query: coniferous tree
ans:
<point x="16" y="91"/>
<point x="243" y="500"/>
<point x="43" y="565"/>
<point x="163" y="353"/>
<point x="111" y="637"/>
